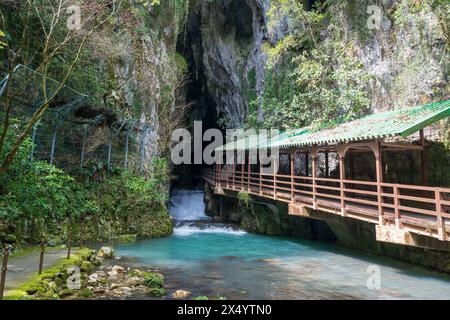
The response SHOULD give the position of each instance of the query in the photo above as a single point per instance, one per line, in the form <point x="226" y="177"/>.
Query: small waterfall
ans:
<point x="187" y="208"/>
<point x="187" y="229"/>
<point x="187" y="205"/>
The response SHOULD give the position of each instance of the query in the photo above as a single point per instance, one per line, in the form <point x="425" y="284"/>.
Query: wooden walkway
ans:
<point x="419" y="209"/>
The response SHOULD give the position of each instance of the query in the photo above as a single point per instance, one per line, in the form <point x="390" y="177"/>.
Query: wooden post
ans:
<point x="341" y="154"/>
<point x="423" y="160"/>
<point x="242" y="174"/>
<point x="396" y="207"/>
<point x="41" y="257"/>
<point x="260" y="178"/>
<point x="233" y="175"/>
<point x="249" y="168"/>
<point x="274" y="172"/>
<point x="440" y="220"/>
<point x="292" y="158"/>
<point x="379" y="173"/>
<point x="227" y="183"/>
<point x="4" y="270"/>
<point x="314" y="174"/>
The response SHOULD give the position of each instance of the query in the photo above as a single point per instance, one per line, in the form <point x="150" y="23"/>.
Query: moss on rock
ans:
<point x="52" y="283"/>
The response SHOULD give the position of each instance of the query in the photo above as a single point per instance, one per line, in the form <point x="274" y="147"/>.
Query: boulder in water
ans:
<point x="181" y="294"/>
<point x="106" y="253"/>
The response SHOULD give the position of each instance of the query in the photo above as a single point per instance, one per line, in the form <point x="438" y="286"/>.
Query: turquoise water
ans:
<point x="216" y="260"/>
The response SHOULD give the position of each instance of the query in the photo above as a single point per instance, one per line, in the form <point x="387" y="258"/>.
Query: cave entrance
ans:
<point x="203" y="108"/>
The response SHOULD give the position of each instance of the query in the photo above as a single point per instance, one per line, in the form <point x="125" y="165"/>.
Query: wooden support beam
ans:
<point x="341" y="183"/>
<point x="249" y="173"/>
<point x="234" y="167"/>
<point x="314" y="175"/>
<point x="423" y="160"/>
<point x="292" y="160"/>
<point x="401" y="146"/>
<point x="379" y="175"/>
<point x="260" y="177"/>
<point x="275" y="172"/>
<point x="396" y="207"/>
<point x="440" y="220"/>
<point x="242" y="173"/>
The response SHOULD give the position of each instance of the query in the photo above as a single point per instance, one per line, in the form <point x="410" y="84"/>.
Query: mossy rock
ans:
<point x="201" y="298"/>
<point x="135" y="273"/>
<point x="153" y="280"/>
<point x="45" y="294"/>
<point x="126" y="238"/>
<point x="66" y="293"/>
<point x="85" y="266"/>
<point x="85" y="293"/>
<point x="157" y="292"/>
<point x="46" y="286"/>
<point x="106" y="253"/>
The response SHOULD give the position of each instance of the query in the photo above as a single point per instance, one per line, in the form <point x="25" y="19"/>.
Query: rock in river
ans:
<point x="181" y="294"/>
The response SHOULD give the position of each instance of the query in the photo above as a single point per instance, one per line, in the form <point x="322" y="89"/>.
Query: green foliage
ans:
<point x="2" y="43"/>
<point x="130" y="203"/>
<point x="157" y="292"/>
<point x="244" y="197"/>
<point x="181" y="64"/>
<point x="38" y="286"/>
<point x="38" y="193"/>
<point x="311" y="80"/>
<point x="153" y="280"/>
<point x="38" y="200"/>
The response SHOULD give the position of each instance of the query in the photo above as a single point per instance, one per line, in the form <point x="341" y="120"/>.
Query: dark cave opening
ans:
<point x="208" y="78"/>
<point x="203" y="106"/>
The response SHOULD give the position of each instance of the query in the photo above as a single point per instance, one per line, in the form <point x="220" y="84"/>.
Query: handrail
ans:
<point x="428" y="207"/>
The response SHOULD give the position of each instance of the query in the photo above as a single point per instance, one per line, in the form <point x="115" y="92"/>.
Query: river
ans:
<point x="218" y="260"/>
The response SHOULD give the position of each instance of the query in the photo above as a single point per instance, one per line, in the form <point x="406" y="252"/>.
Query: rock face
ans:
<point x="266" y="218"/>
<point x="223" y="42"/>
<point x="407" y="69"/>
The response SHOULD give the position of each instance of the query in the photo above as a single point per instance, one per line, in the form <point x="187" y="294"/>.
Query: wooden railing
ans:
<point x="421" y="209"/>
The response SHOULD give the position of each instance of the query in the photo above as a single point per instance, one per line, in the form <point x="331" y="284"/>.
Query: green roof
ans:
<point x="398" y="123"/>
<point x="248" y="141"/>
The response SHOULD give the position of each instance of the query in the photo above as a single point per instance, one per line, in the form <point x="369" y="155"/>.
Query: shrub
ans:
<point x="153" y="280"/>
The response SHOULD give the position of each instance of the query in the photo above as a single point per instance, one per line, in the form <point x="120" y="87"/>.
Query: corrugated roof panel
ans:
<point x="400" y="123"/>
<point x="381" y="125"/>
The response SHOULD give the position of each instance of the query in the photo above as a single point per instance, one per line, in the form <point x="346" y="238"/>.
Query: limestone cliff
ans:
<point x="223" y="42"/>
